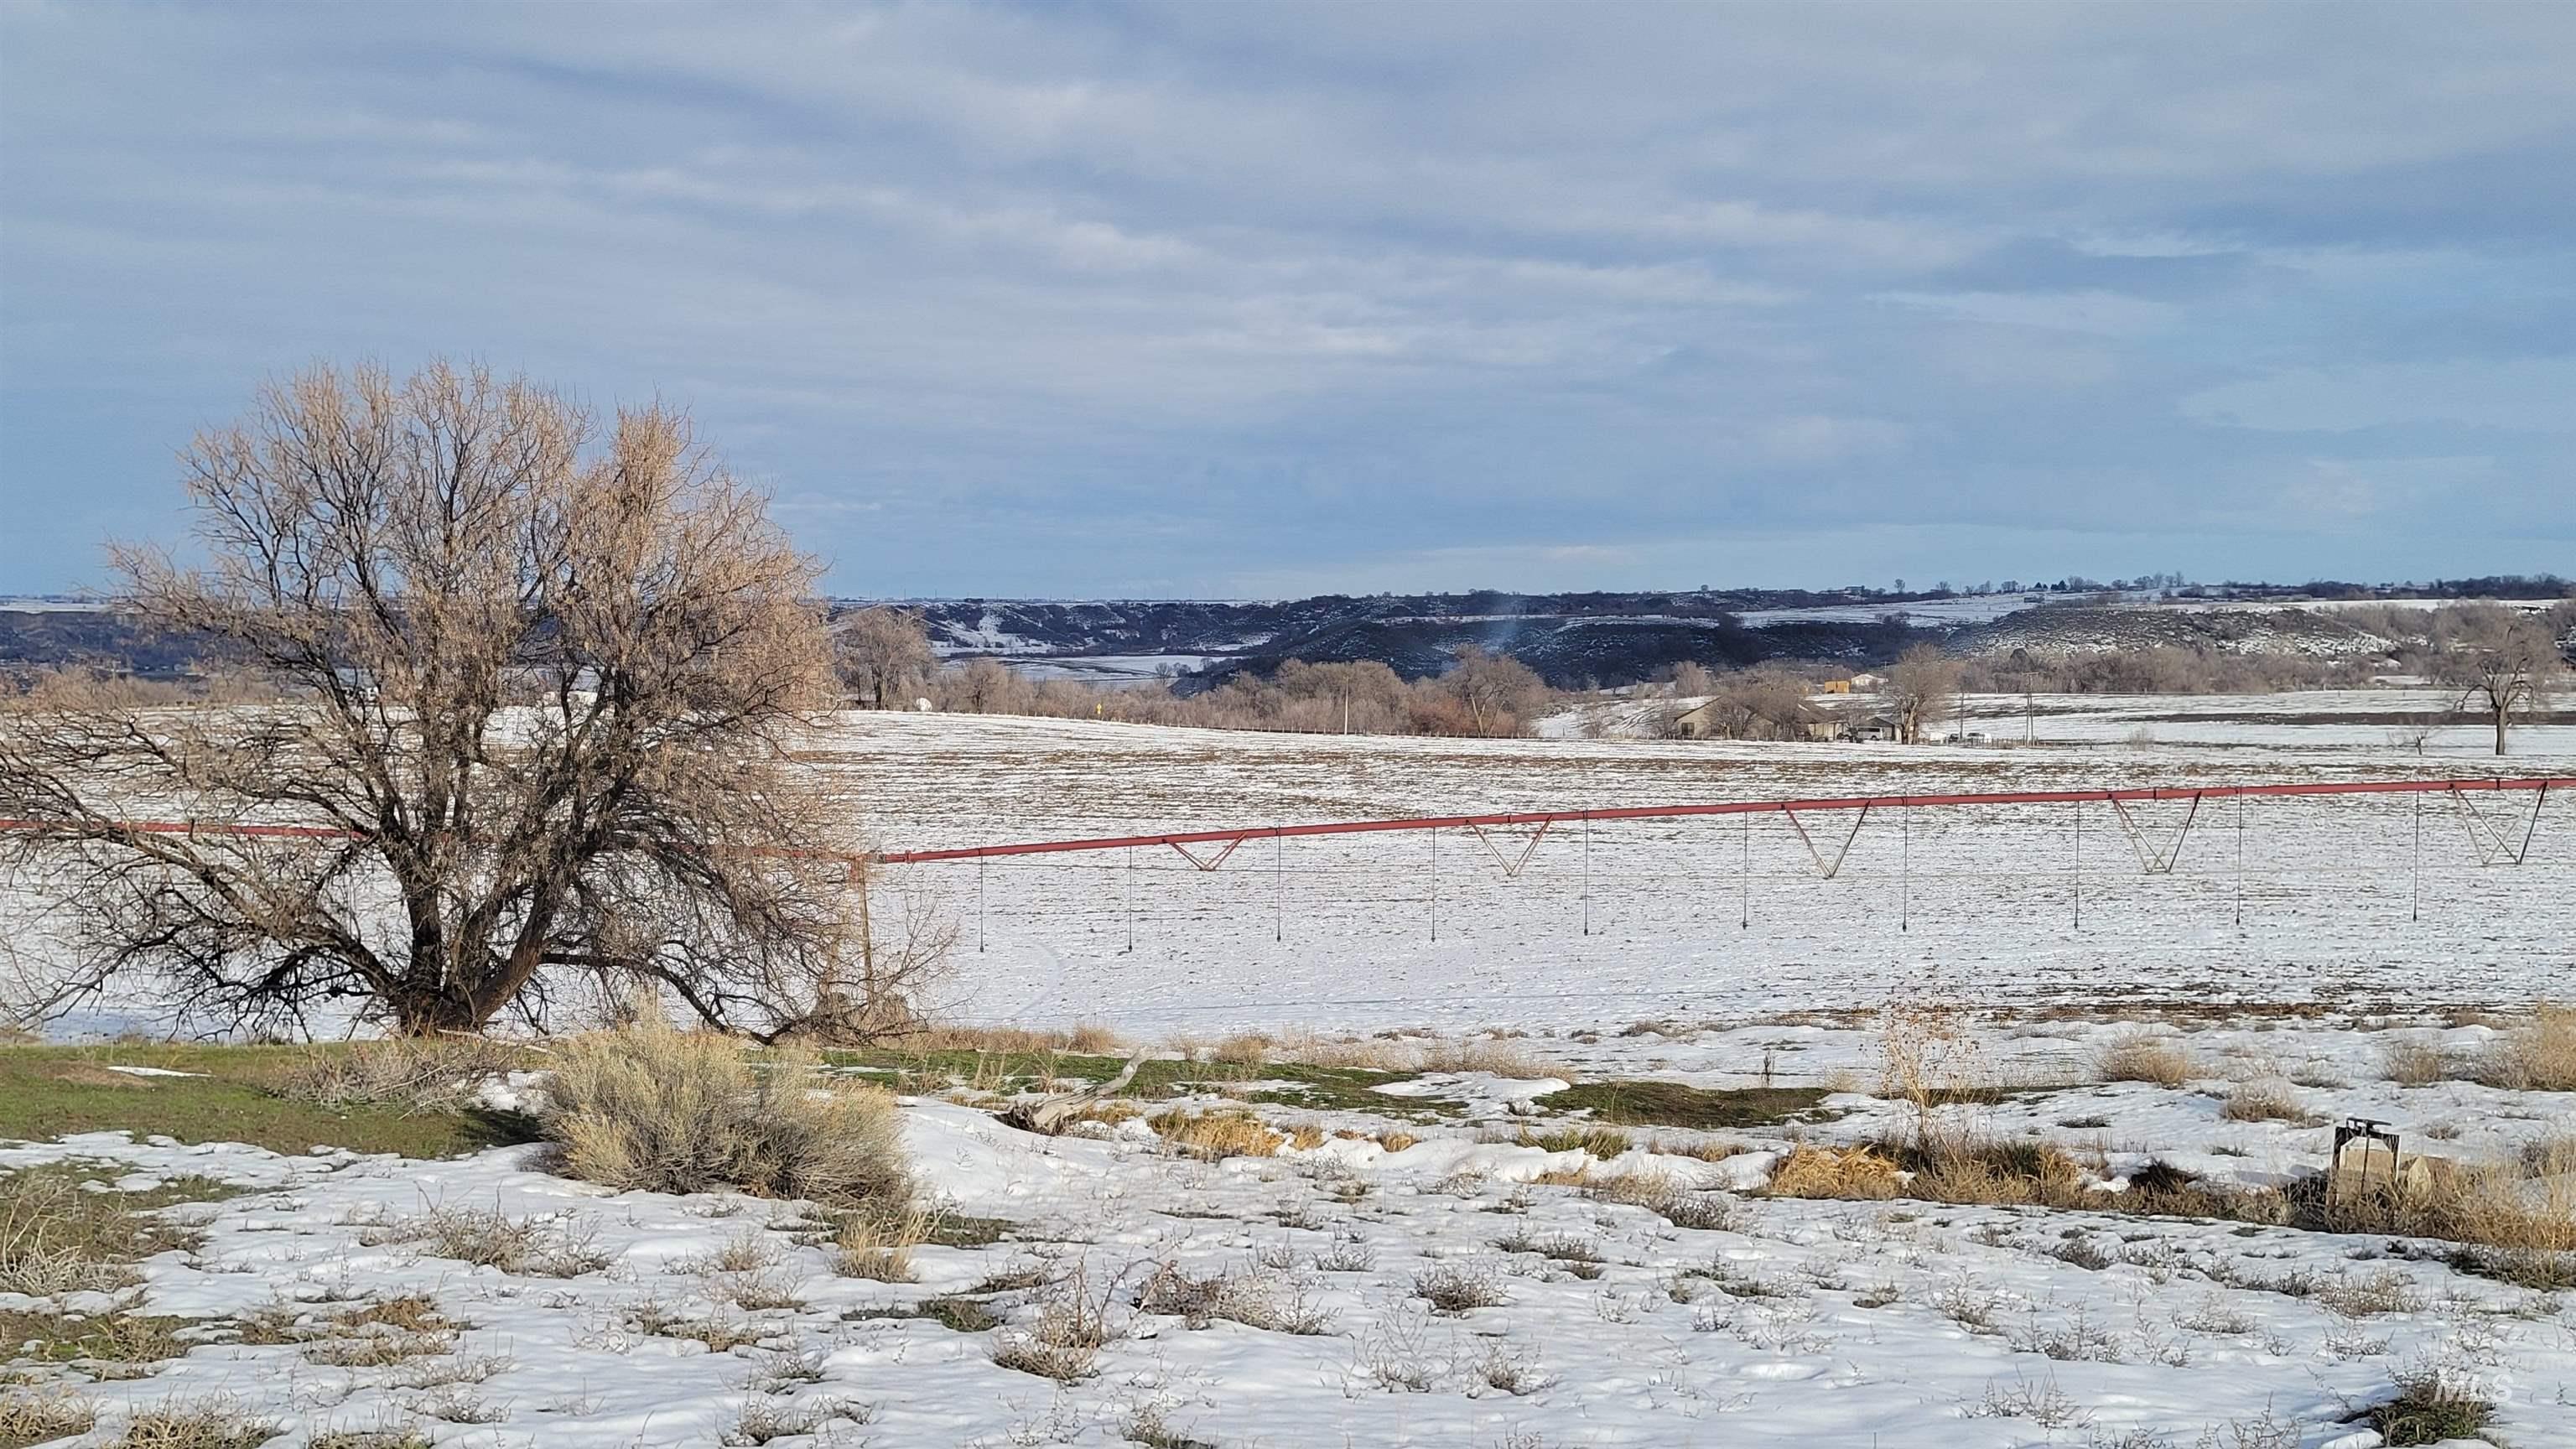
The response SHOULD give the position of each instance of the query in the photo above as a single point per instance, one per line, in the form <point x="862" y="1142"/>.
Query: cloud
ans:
<point x="1184" y="298"/>
<point x="2522" y="394"/>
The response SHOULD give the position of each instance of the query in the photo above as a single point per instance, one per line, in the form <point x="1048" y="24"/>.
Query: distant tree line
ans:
<point x="886" y="662"/>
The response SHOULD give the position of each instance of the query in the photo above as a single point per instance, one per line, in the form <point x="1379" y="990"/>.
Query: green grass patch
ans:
<point x="956" y="1314"/>
<point x="1673" y="1104"/>
<point x="1284" y="1084"/>
<point x="2427" y="1412"/>
<point x="235" y="1095"/>
<point x="112" y="1339"/>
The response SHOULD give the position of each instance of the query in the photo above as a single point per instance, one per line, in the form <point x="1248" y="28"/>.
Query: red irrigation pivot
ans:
<point x="1228" y="839"/>
<point x="1182" y="840"/>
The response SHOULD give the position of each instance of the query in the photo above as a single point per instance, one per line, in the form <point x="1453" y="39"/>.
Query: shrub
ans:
<point x="2414" y="1063"/>
<point x="2141" y="1056"/>
<point x="1064" y="1344"/>
<point x="661" y="1110"/>
<point x="1256" y="1298"/>
<point x="2537" y="1056"/>
<point x="2430" y="1408"/>
<point x="1928" y="1054"/>
<point x="1454" y="1288"/>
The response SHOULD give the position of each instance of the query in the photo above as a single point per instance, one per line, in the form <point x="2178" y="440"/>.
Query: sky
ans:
<point x="1260" y="300"/>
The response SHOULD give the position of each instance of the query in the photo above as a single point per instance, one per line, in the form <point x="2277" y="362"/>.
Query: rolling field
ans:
<point x="1708" y="917"/>
<point x="1646" y="1148"/>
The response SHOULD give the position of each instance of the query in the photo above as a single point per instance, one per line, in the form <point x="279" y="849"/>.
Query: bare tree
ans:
<point x="1692" y="680"/>
<point x="884" y="655"/>
<point x="541" y="680"/>
<point x="1919" y="685"/>
<point x="1495" y="691"/>
<point x="1758" y="704"/>
<point x="2502" y="663"/>
<point x="1363" y="694"/>
<point x="984" y="686"/>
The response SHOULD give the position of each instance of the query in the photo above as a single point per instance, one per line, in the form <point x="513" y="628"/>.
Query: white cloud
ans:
<point x="2526" y="394"/>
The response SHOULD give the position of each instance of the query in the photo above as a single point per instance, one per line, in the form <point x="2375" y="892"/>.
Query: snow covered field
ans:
<point x="1470" y="1289"/>
<point x="2328" y="906"/>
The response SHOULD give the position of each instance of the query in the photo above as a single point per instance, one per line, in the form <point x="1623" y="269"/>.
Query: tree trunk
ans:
<point x="429" y="1011"/>
<point x="2499" y="724"/>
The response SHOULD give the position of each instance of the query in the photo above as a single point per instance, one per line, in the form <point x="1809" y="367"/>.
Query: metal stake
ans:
<point x="2079" y="865"/>
<point x="1587" y="875"/>
<point x="1131" y="902"/>
<point x="1744" y="878"/>
<point x="980" y="863"/>
<point x="2240" y="860"/>
<point x="1278" y="894"/>
<point x="2415" y="908"/>
<point x="1434" y="833"/>
<point x="1904" y="867"/>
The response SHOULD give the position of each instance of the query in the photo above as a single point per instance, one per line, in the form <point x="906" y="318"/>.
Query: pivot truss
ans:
<point x="2495" y="840"/>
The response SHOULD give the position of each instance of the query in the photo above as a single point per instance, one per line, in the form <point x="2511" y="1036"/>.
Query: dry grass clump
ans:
<point x="2014" y="1172"/>
<point x="2539" y="1055"/>
<point x="1256" y="1298"/>
<point x="762" y="1420"/>
<point x="2411" y="1063"/>
<point x="2266" y="1099"/>
<point x="1366" y="1054"/>
<point x="368" y="1439"/>
<point x="422" y="1073"/>
<point x="1683" y="1207"/>
<point x="59" y="1236"/>
<point x="1928" y="1053"/>
<point x="541" y="1247"/>
<point x="1837" y="1172"/>
<point x="1497" y="1055"/>
<point x="2515" y="1220"/>
<point x="208" y="1424"/>
<point x="879" y="1247"/>
<point x="1072" y="1326"/>
<point x="367" y="1335"/>
<point x="2432" y="1407"/>
<point x="2143" y="1056"/>
<point x="654" y="1109"/>
<point x="41" y="1418"/>
<point x="112" y="1344"/>
<point x="1601" y="1142"/>
<point x="1244" y="1049"/>
<point x="1088" y="1038"/>
<point x="1217" y="1133"/>
<point x="1453" y="1288"/>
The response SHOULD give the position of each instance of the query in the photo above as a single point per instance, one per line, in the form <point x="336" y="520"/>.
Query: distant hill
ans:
<point x="1572" y="639"/>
